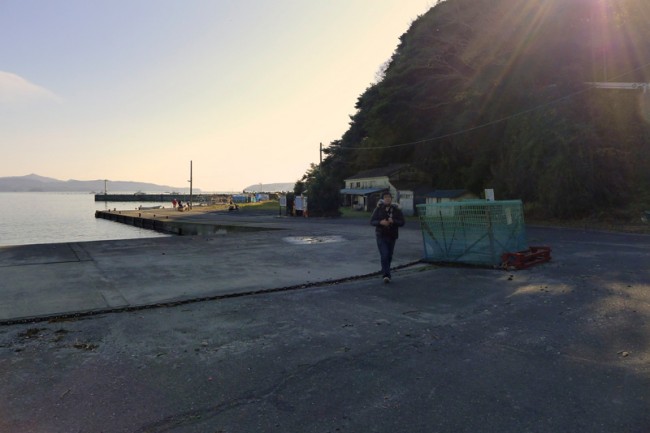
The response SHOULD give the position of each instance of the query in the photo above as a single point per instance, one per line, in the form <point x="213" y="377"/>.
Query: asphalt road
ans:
<point x="561" y="347"/>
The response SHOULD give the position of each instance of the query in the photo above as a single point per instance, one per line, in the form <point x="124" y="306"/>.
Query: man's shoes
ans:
<point x="386" y="279"/>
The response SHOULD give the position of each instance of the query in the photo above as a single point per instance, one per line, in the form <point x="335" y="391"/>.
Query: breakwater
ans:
<point x="196" y="198"/>
<point x="164" y="224"/>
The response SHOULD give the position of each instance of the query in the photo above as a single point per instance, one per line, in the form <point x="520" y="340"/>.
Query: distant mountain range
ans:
<point x="36" y="183"/>
<point x="270" y="187"/>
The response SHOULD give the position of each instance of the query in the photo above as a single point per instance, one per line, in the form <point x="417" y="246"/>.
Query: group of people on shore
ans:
<point x="180" y="206"/>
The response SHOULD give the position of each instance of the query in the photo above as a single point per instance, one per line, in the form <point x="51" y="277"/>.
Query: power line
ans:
<point x="494" y="122"/>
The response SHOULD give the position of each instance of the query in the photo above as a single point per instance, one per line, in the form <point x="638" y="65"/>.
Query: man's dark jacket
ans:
<point x="383" y="212"/>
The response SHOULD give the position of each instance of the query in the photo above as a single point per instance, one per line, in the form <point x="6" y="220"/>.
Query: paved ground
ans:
<point x="57" y="279"/>
<point x="560" y="347"/>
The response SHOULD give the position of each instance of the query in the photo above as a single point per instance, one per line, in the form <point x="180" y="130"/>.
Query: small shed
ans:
<point x="240" y="198"/>
<point x="362" y="198"/>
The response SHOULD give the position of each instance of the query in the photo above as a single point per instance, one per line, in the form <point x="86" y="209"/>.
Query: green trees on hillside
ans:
<point x="323" y="192"/>
<point x="495" y="93"/>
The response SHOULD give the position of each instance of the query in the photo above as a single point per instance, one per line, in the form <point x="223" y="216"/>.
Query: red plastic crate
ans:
<point x="525" y="259"/>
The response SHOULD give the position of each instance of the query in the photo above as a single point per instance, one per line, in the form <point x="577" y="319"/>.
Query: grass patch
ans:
<point x="348" y="212"/>
<point x="269" y="205"/>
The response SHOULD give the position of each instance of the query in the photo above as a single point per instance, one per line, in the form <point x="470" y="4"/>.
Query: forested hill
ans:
<point x="496" y="93"/>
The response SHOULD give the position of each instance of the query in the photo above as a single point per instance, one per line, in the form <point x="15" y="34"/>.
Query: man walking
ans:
<point x="386" y="218"/>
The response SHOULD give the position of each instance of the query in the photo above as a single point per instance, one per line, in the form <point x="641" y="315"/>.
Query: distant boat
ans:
<point x="150" y="207"/>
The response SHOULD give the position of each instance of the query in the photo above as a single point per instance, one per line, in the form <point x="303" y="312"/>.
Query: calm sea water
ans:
<point x="42" y="217"/>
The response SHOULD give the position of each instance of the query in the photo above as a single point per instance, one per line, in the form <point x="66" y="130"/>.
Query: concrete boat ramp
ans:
<point x="222" y="255"/>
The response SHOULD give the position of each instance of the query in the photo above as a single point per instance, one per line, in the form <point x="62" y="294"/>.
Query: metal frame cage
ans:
<point x="474" y="232"/>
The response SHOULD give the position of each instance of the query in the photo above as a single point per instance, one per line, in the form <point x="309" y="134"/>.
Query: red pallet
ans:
<point x="525" y="259"/>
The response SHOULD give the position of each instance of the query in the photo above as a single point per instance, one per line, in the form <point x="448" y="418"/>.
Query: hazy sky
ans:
<point x="135" y="89"/>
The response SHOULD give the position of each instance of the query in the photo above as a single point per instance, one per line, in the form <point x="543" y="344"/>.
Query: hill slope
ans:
<point x="496" y="93"/>
<point x="270" y="187"/>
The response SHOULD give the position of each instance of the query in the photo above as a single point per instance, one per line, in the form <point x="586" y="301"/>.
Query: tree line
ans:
<point x="497" y="94"/>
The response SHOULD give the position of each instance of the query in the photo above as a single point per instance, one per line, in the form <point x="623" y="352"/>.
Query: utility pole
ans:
<point x="190" y="181"/>
<point x="321" y="152"/>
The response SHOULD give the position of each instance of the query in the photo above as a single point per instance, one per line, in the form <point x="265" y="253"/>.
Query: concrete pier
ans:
<point x="196" y="198"/>
<point x="174" y="222"/>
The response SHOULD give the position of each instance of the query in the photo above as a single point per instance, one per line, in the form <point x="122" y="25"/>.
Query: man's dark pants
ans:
<point x="386" y="247"/>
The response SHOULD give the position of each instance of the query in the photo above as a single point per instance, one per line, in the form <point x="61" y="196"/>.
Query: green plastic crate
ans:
<point x="474" y="232"/>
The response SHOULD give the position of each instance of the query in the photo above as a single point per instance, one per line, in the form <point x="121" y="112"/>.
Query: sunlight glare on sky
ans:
<point x="135" y="89"/>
